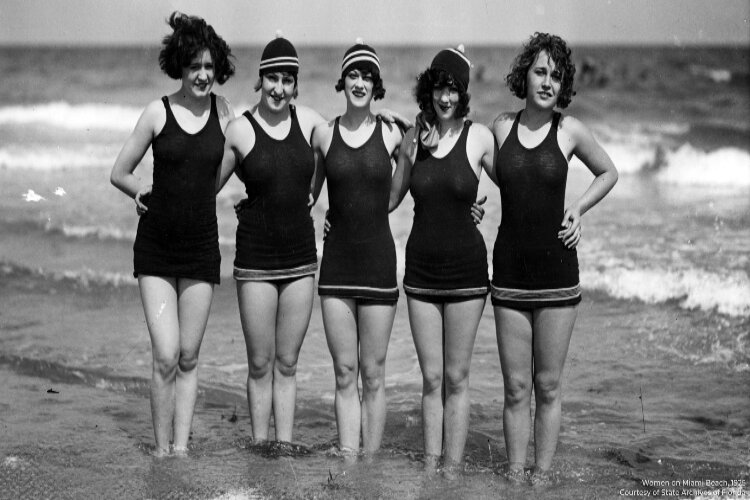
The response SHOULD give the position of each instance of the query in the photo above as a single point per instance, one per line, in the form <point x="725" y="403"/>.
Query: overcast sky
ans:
<point x="672" y="22"/>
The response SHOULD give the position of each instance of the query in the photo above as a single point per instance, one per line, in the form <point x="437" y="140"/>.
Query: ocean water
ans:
<point x="664" y="259"/>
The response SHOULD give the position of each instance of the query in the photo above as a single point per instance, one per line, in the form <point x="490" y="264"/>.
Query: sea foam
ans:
<point x="46" y="157"/>
<point x="694" y="288"/>
<point x="72" y="116"/>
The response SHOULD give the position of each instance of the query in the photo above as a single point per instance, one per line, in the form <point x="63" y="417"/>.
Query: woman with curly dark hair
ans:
<point x="446" y="280"/>
<point x="176" y="250"/>
<point x="535" y="286"/>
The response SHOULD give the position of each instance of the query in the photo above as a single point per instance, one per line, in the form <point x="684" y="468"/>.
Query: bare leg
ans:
<point x="258" y="302"/>
<point x="292" y="320"/>
<point x="375" y="325"/>
<point x="514" y="338"/>
<point x="194" y="306"/>
<point x="460" y="320"/>
<point x="340" y="324"/>
<point x="426" y="321"/>
<point x="553" y="327"/>
<point x="159" y="297"/>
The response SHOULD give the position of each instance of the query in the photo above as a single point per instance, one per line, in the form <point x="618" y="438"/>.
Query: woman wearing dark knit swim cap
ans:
<point x="535" y="287"/>
<point x="357" y="284"/>
<point x="269" y="149"/>
<point x="446" y="281"/>
<point x="176" y="250"/>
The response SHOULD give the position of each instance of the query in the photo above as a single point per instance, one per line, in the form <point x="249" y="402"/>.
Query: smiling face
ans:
<point x="358" y="85"/>
<point x="444" y="101"/>
<point x="198" y="77"/>
<point x="277" y="90"/>
<point x="543" y="82"/>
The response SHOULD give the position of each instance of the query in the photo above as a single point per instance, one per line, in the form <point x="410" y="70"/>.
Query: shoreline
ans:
<point x="69" y="440"/>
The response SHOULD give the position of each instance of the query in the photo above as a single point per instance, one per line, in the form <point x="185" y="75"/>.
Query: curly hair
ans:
<point x="560" y="54"/>
<point x="378" y="90"/>
<point x="190" y="36"/>
<point x="431" y="79"/>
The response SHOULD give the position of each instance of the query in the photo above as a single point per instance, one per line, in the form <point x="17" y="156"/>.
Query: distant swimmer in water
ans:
<point x="176" y="250"/>
<point x="535" y="286"/>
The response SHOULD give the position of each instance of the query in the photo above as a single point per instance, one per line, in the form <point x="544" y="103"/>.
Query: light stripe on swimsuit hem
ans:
<point x="241" y="274"/>
<point x="521" y="295"/>
<point x="456" y="292"/>
<point x="350" y="288"/>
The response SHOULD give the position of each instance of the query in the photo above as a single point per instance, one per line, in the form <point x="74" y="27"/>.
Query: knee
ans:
<point x="432" y="381"/>
<point x="456" y="380"/>
<point x="346" y="376"/>
<point x="188" y="361"/>
<point x="373" y="377"/>
<point x="517" y="389"/>
<point x="286" y="366"/>
<point x="258" y="365"/>
<point x="547" y="388"/>
<point x="165" y="365"/>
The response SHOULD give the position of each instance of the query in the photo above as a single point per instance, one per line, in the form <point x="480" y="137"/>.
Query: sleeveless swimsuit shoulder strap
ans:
<point x="168" y="108"/>
<point x="336" y="134"/>
<point x="296" y="127"/>
<point x="514" y="128"/>
<point x="555" y="122"/>
<point x="257" y="128"/>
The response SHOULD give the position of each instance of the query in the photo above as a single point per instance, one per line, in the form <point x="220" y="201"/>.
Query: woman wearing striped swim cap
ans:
<point x="276" y="259"/>
<point x="357" y="285"/>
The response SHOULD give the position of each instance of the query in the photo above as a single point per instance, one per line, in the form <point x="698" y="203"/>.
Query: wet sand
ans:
<point x="75" y="420"/>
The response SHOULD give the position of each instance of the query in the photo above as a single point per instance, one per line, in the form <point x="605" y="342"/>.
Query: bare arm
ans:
<point x="390" y="116"/>
<point x="226" y="117"/>
<point x="500" y="129"/>
<point x="231" y="157"/>
<point x="135" y="148"/>
<point x="590" y="152"/>
<point x="321" y="141"/>
<point x="400" y="181"/>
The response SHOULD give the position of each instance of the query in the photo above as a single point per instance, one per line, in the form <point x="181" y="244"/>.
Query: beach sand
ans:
<point x="75" y="420"/>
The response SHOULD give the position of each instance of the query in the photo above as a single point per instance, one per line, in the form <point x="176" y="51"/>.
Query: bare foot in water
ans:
<point x="431" y="463"/>
<point x="451" y="470"/>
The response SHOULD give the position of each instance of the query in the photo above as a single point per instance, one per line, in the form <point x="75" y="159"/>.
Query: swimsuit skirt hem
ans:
<point x="241" y="274"/>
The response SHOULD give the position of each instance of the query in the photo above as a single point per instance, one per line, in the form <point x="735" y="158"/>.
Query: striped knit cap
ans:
<point x="454" y="62"/>
<point x="363" y="57"/>
<point x="279" y="56"/>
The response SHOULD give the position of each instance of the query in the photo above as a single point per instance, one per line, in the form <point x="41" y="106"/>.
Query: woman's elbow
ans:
<point x="114" y="179"/>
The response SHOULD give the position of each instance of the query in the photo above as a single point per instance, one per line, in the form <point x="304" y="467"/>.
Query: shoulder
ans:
<point x="308" y="115"/>
<point x="325" y="127"/>
<point x="502" y="125"/>
<point x="571" y="124"/>
<point x="323" y="132"/>
<point x="225" y="110"/>
<point x="573" y="128"/>
<point x="154" y="110"/>
<point x="391" y="131"/>
<point x="238" y="129"/>
<point x="480" y="132"/>
<point x="503" y="121"/>
<point x="153" y="118"/>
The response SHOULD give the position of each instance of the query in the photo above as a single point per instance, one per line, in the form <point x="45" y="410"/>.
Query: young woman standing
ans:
<point x="535" y="287"/>
<point x="269" y="147"/>
<point x="357" y="284"/>
<point x="176" y="250"/>
<point x="446" y="280"/>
